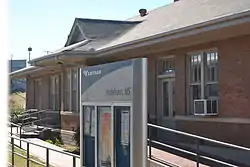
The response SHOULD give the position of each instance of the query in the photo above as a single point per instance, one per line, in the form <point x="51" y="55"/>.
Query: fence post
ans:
<point x="47" y="157"/>
<point x="20" y="136"/>
<point x="198" y="152"/>
<point x="28" y="154"/>
<point x="149" y="135"/>
<point x="74" y="161"/>
<point x="12" y="152"/>
<point x="10" y="129"/>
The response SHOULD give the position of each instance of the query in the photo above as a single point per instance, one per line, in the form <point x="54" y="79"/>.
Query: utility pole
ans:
<point x="29" y="50"/>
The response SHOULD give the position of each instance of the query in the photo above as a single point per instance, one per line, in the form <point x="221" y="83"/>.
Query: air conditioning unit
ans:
<point x="206" y="107"/>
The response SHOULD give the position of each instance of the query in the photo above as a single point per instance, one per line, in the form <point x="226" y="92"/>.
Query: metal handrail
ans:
<point x="31" y="113"/>
<point x="43" y="119"/>
<point x="47" y="151"/>
<point x="199" y="137"/>
<point x="26" y="141"/>
<point x="14" y="124"/>
<point x="197" y="154"/>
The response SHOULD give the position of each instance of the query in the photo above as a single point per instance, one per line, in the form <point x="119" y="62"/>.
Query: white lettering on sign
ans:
<point x="90" y="73"/>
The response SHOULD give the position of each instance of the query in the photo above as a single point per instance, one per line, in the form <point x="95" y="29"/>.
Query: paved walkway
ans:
<point x="173" y="159"/>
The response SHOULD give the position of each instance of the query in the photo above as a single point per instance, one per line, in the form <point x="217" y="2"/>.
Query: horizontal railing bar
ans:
<point x="31" y="113"/>
<point x="199" y="137"/>
<point x="36" y="121"/>
<point x="172" y="147"/>
<point x="24" y="140"/>
<point x="191" y="153"/>
<point x="218" y="161"/>
<point x="20" y="155"/>
<point x="37" y="162"/>
<point x="14" y="124"/>
<point x="164" y="162"/>
<point x="30" y="159"/>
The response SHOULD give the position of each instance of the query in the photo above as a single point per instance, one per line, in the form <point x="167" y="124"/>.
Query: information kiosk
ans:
<point x="114" y="114"/>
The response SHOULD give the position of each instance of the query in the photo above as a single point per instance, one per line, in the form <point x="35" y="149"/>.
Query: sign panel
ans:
<point x="107" y="82"/>
<point x="118" y="84"/>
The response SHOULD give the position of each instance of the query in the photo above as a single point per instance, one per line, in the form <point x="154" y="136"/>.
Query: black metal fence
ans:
<point x="27" y="157"/>
<point x="197" y="155"/>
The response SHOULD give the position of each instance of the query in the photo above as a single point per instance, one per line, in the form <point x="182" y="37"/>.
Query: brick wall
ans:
<point x="234" y="77"/>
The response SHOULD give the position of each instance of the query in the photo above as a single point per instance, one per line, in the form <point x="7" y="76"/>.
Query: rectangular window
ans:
<point x="204" y="80"/>
<point x="74" y="96"/>
<point x="71" y="90"/>
<point x="165" y="66"/>
<point x="54" y="93"/>
<point x="38" y="94"/>
<point x="67" y="91"/>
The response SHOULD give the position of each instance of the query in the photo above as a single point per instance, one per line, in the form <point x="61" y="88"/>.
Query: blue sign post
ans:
<point x="114" y="114"/>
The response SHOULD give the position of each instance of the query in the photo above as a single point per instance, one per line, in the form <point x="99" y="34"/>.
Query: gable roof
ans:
<point x="175" y="16"/>
<point x="97" y="29"/>
<point x="172" y="19"/>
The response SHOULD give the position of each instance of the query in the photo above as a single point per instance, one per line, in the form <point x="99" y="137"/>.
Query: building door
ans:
<point x="166" y="95"/>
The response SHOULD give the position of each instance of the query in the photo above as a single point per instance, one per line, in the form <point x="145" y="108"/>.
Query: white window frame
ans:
<point x="160" y="60"/>
<point x="203" y="78"/>
<point x="70" y="87"/>
<point x="54" y="91"/>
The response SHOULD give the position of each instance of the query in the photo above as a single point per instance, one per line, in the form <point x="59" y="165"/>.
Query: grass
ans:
<point x="71" y="149"/>
<point x="20" y="161"/>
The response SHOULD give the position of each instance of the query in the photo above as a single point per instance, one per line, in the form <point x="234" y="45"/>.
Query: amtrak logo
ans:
<point x="87" y="73"/>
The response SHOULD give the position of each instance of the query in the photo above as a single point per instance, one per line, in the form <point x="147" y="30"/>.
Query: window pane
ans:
<point x="212" y="90"/>
<point x="165" y="66"/>
<point x="67" y="91"/>
<point x="74" y="101"/>
<point x="196" y="92"/>
<point x="195" y="69"/>
<point x="74" y="78"/>
<point x="211" y="66"/>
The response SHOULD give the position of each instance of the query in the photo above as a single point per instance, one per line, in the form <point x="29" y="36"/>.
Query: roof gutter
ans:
<point x="24" y="71"/>
<point x="58" y="53"/>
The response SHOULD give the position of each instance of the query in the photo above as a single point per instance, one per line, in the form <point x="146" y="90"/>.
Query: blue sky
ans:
<point x="45" y="24"/>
